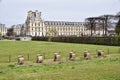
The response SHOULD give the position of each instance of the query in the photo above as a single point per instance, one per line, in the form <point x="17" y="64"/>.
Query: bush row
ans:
<point x="114" y="41"/>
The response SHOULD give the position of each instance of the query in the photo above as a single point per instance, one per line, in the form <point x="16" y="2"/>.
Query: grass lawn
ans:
<point x="95" y="69"/>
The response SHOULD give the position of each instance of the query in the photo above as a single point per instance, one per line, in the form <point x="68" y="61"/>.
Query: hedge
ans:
<point x="114" y="41"/>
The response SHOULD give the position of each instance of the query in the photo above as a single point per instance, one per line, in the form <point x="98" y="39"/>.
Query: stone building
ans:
<point x="35" y="26"/>
<point x="3" y="29"/>
<point x="63" y="28"/>
<point x="19" y="30"/>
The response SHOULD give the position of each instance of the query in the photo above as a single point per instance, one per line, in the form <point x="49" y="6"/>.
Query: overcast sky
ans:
<point x="15" y="11"/>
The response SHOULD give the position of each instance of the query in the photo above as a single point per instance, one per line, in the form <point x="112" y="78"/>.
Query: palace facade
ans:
<point x="35" y="26"/>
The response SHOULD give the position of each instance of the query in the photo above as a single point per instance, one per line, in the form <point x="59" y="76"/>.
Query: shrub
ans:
<point x="84" y="40"/>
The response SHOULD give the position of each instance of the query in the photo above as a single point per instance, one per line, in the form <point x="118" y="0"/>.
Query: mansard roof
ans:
<point x="34" y="16"/>
<point x="2" y="25"/>
<point x="18" y="26"/>
<point x="63" y="23"/>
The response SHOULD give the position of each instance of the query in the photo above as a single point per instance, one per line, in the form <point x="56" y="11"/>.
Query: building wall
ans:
<point x="23" y="30"/>
<point x="65" y="28"/>
<point x="3" y="29"/>
<point x="16" y="29"/>
<point x="35" y="26"/>
<point x="19" y="29"/>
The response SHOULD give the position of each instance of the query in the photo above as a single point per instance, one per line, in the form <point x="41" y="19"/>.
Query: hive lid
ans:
<point x="85" y="51"/>
<point x="100" y="50"/>
<point x="20" y="56"/>
<point x="39" y="54"/>
<point x="55" y="53"/>
<point x="71" y="52"/>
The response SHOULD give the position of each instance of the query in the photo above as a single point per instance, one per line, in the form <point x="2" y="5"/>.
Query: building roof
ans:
<point x="63" y="23"/>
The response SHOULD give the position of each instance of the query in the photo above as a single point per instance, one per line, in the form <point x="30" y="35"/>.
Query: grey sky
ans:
<point x="15" y="11"/>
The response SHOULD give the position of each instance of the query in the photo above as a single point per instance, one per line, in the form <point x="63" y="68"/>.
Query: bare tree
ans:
<point x="51" y="32"/>
<point x="0" y="34"/>
<point x="117" y="28"/>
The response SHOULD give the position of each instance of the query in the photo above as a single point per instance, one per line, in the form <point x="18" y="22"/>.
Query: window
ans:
<point x="35" y="24"/>
<point x="32" y="24"/>
<point x="38" y="24"/>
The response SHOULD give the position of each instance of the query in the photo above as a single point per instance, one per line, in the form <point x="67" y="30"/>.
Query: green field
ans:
<point x="106" y="68"/>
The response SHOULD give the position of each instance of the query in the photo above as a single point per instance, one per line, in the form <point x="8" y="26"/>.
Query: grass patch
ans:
<point x="106" y="68"/>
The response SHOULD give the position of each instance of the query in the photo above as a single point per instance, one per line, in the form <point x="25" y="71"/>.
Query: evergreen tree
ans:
<point x="117" y="28"/>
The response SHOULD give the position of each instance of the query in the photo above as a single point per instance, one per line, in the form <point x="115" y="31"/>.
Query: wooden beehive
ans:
<point x="72" y="56"/>
<point x="39" y="58"/>
<point x="100" y="53"/>
<point x="20" y="60"/>
<point x="86" y="55"/>
<point x="57" y="57"/>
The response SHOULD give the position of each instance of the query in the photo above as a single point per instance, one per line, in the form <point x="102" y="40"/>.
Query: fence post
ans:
<point x="28" y="57"/>
<point x="96" y="52"/>
<point x="108" y="51"/>
<point x="44" y="55"/>
<point x="118" y="50"/>
<point x="9" y="58"/>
